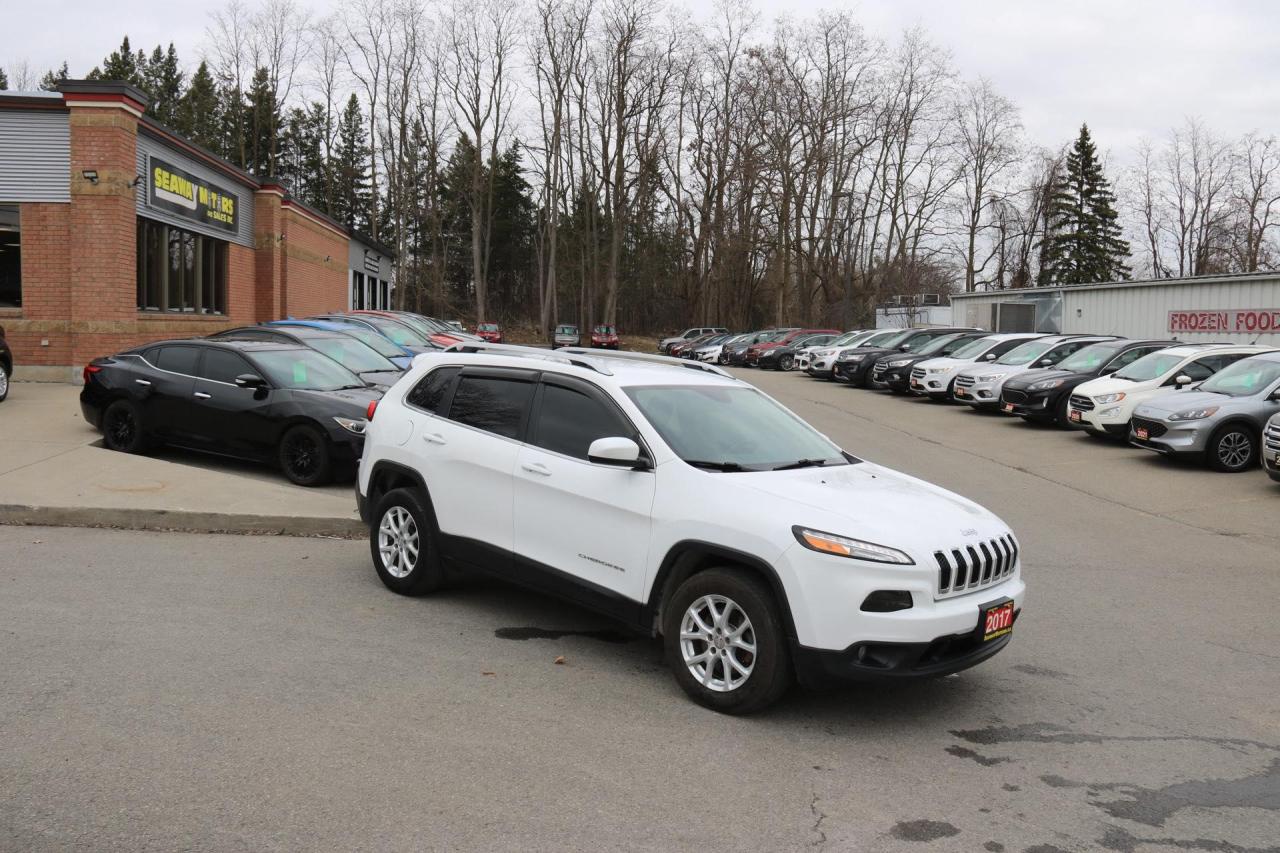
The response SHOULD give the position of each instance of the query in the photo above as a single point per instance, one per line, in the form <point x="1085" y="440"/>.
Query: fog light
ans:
<point x="887" y="601"/>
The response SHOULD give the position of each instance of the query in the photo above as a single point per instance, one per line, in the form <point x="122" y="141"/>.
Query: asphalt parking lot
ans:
<point x="166" y="691"/>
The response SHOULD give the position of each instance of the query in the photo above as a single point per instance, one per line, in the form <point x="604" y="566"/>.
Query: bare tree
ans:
<point x="987" y="126"/>
<point x="1255" y="196"/>
<point x="230" y="34"/>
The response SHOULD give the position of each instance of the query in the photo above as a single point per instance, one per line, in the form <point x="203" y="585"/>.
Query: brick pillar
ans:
<point x="268" y="241"/>
<point x="102" y="243"/>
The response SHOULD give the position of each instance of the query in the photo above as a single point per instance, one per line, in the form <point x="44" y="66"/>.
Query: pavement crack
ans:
<point x="819" y="816"/>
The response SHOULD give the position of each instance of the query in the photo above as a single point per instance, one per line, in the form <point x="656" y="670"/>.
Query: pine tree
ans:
<point x="198" y="112"/>
<point x="1083" y="243"/>
<point x="4" y="81"/>
<point x="123" y="65"/>
<point x="351" y="169"/>
<point x="263" y="120"/>
<point x="162" y="80"/>
<point x="49" y="82"/>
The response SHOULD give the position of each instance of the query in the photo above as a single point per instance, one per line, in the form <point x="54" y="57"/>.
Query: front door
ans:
<point x="231" y="419"/>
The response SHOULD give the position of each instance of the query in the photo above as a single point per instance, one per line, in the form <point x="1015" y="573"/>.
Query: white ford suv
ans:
<point x="688" y="504"/>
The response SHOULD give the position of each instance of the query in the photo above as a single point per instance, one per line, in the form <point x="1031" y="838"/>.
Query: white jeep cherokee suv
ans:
<point x="689" y="505"/>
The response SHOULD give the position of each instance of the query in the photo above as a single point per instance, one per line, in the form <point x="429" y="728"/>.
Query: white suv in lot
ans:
<point x="935" y="377"/>
<point x="980" y="385"/>
<point x="689" y="505"/>
<point x="1105" y="406"/>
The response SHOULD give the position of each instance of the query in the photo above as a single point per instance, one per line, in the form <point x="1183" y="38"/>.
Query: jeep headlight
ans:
<point x="1194" y="414"/>
<point x="842" y="546"/>
<point x="1109" y="398"/>
<point x="1046" y="384"/>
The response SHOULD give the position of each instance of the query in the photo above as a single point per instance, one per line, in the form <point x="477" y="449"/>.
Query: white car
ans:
<point x="933" y="377"/>
<point x="1105" y="406"/>
<point x="980" y="385"/>
<point x="820" y="361"/>
<point x="688" y="335"/>
<point x="689" y="505"/>
<point x="711" y="353"/>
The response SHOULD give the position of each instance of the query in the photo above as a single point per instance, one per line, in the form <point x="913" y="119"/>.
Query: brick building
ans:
<point x="114" y="230"/>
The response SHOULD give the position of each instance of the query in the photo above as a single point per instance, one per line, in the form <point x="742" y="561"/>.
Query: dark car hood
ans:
<point x="348" y="401"/>
<point x="1030" y="377"/>
<point x="912" y="357"/>
<point x="873" y="353"/>
<point x="381" y="378"/>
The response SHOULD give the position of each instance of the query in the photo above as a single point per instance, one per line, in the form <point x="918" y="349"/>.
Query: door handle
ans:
<point x="434" y="438"/>
<point x="200" y="395"/>
<point x="536" y="468"/>
<point x="142" y="382"/>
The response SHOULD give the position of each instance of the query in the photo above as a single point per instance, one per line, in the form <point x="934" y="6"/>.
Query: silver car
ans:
<point x="1271" y="448"/>
<point x="1221" y="421"/>
<point x="566" y="335"/>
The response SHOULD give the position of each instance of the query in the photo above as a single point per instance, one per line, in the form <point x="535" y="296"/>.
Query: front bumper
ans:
<point x="1271" y="463"/>
<point x="892" y="378"/>
<point x="1171" y="439"/>
<point x="1027" y="404"/>
<point x="980" y="395"/>
<point x="1104" y="419"/>
<point x="895" y="661"/>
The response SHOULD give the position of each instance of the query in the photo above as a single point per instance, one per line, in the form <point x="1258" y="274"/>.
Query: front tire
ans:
<point x="786" y="363"/>
<point x="1233" y="448"/>
<point x="305" y="457"/>
<point x="725" y="643"/>
<point x="122" y="428"/>
<point x="402" y="542"/>
<point x="4" y="382"/>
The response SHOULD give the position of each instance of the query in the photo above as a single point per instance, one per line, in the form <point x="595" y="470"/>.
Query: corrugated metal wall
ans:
<point x="35" y="155"/>
<point x="147" y="145"/>
<point x="1138" y="310"/>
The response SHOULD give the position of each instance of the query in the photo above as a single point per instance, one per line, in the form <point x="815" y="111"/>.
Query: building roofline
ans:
<point x="32" y="101"/>
<point x="118" y="88"/>
<point x="1217" y="278"/>
<point x="361" y="237"/>
<point x="159" y="131"/>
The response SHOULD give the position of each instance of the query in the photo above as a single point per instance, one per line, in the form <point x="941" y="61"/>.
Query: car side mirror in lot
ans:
<point x="616" y="451"/>
<point x="1182" y="381"/>
<point x="989" y="357"/>
<point x="250" y="380"/>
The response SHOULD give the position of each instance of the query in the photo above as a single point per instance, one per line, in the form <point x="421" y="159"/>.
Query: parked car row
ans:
<point x="296" y="393"/>
<point x="1216" y="402"/>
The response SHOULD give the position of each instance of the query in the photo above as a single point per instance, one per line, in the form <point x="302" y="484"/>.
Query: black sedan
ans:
<point x="893" y="371"/>
<point x="736" y="355"/>
<point x="359" y="358"/>
<point x="784" y="357"/>
<point x="854" y="365"/>
<point x="270" y="402"/>
<point x="6" y="366"/>
<point x="1042" y="395"/>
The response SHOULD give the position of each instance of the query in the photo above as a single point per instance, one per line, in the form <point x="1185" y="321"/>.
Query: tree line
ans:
<point x="617" y="161"/>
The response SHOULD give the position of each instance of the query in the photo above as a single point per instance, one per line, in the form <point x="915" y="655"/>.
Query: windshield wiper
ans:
<point x="800" y="463"/>
<point x="715" y="466"/>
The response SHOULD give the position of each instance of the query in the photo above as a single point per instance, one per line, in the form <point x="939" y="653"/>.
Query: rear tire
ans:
<point x="725" y="643"/>
<point x="4" y="382"/>
<point x="122" y="428"/>
<point x="402" y="543"/>
<point x="305" y="457"/>
<point x="1232" y="449"/>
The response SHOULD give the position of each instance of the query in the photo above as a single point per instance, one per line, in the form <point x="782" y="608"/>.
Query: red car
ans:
<point x="754" y="351"/>
<point x="490" y="332"/>
<point x="442" y="339"/>
<point x="678" y="350"/>
<point x="604" y="337"/>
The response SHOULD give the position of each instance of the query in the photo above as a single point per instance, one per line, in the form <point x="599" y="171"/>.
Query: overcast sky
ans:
<point x="1130" y="68"/>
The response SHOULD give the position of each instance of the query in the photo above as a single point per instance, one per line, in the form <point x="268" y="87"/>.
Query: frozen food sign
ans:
<point x="182" y="193"/>
<point x="1239" y="321"/>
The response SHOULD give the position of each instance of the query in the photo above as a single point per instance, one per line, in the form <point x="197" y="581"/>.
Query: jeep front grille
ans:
<point x="1081" y="402"/>
<point x="970" y="567"/>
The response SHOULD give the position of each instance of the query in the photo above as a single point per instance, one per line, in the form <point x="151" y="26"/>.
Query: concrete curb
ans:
<point x="181" y="521"/>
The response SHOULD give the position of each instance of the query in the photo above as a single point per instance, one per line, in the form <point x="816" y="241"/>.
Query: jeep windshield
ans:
<point x="731" y="429"/>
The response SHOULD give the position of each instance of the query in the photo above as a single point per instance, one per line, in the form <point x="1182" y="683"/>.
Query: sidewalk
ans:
<point x="54" y="471"/>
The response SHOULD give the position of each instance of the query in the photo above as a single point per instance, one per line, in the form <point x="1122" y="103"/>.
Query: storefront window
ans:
<point x="180" y="271"/>
<point x="10" y="258"/>
<point x="357" y="290"/>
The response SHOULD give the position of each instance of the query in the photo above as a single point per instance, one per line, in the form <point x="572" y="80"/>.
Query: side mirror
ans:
<point x="989" y="357"/>
<point x="1182" y="381"/>
<point x="905" y="348"/>
<point x="616" y="451"/>
<point x="1045" y="362"/>
<point x="250" y="380"/>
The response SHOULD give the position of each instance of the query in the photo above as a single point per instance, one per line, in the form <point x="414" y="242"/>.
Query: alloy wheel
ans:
<point x="787" y="362"/>
<point x="4" y="383"/>
<point x="398" y="542"/>
<point x="301" y="454"/>
<point x="717" y="643"/>
<point x="122" y="428"/>
<point x="1235" y="449"/>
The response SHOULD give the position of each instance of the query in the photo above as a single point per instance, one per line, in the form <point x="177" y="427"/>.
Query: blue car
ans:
<point x="398" y="355"/>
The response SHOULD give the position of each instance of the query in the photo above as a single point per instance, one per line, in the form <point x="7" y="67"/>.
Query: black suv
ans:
<point x="893" y="371"/>
<point x="266" y="401"/>
<point x="854" y="365"/>
<point x="1041" y="395"/>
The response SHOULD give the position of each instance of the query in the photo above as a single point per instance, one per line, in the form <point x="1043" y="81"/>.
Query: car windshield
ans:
<point x="566" y="330"/>
<point x="850" y="338"/>
<point x="376" y="342"/>
<point x="1025" y="354"/>
<point x="974" y="348"/>
<point x="1090" y="358"/>
<point x="1149" y="367"/>
<point x="731" y="428"/>
<point x="604" y="330"/>
<point x="487" y="327"/>
<point x="895" y="340"/>
<point x="1244" y="378"/>
<point x="879" y="339"/>
<point x="349" y="352"/>
<point x="304" y="370"/>
<point x="397" y="332"/>
<point x="937" y="344"/>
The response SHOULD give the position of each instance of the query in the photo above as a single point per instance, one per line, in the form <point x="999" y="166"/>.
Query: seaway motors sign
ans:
<point x="181" y="193"/>
<point x="1235" y="320"/>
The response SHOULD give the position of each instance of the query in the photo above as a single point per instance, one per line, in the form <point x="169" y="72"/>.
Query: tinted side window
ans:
<point x="178" y="359"/>
<point x="429" y="394"/>
<point x="1217" y="362"/>
<point x="1057" y="354"/>
<point x="1199" y="370"/>
<point x="568" y="421"/>
<point x="222" y="366"/>
<point x="1124" y="359"/>
<point x="1004" y="346"/>
<point x="492" y="404"/>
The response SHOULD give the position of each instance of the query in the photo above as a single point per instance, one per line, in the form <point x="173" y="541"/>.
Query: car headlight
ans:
<point x="932" y="370"/>
<point x="356" y="425"/>
<point x="898" y="362"/>
<point x="1046" y="384"/>
<point x="1194" y="414"/>
<point x="1109" y="398"/>
<point x="853" y="358"/>
<point x="990" y="377"/>
<point x="842" y="546"/>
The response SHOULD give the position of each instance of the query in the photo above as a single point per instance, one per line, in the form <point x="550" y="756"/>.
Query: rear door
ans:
<point x="591" y="521"/>
<point x="168" y="408"/>
<point x="468" y="454"/>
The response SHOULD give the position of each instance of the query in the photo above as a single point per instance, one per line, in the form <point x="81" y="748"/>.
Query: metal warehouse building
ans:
<point x="1235" y="308"/>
